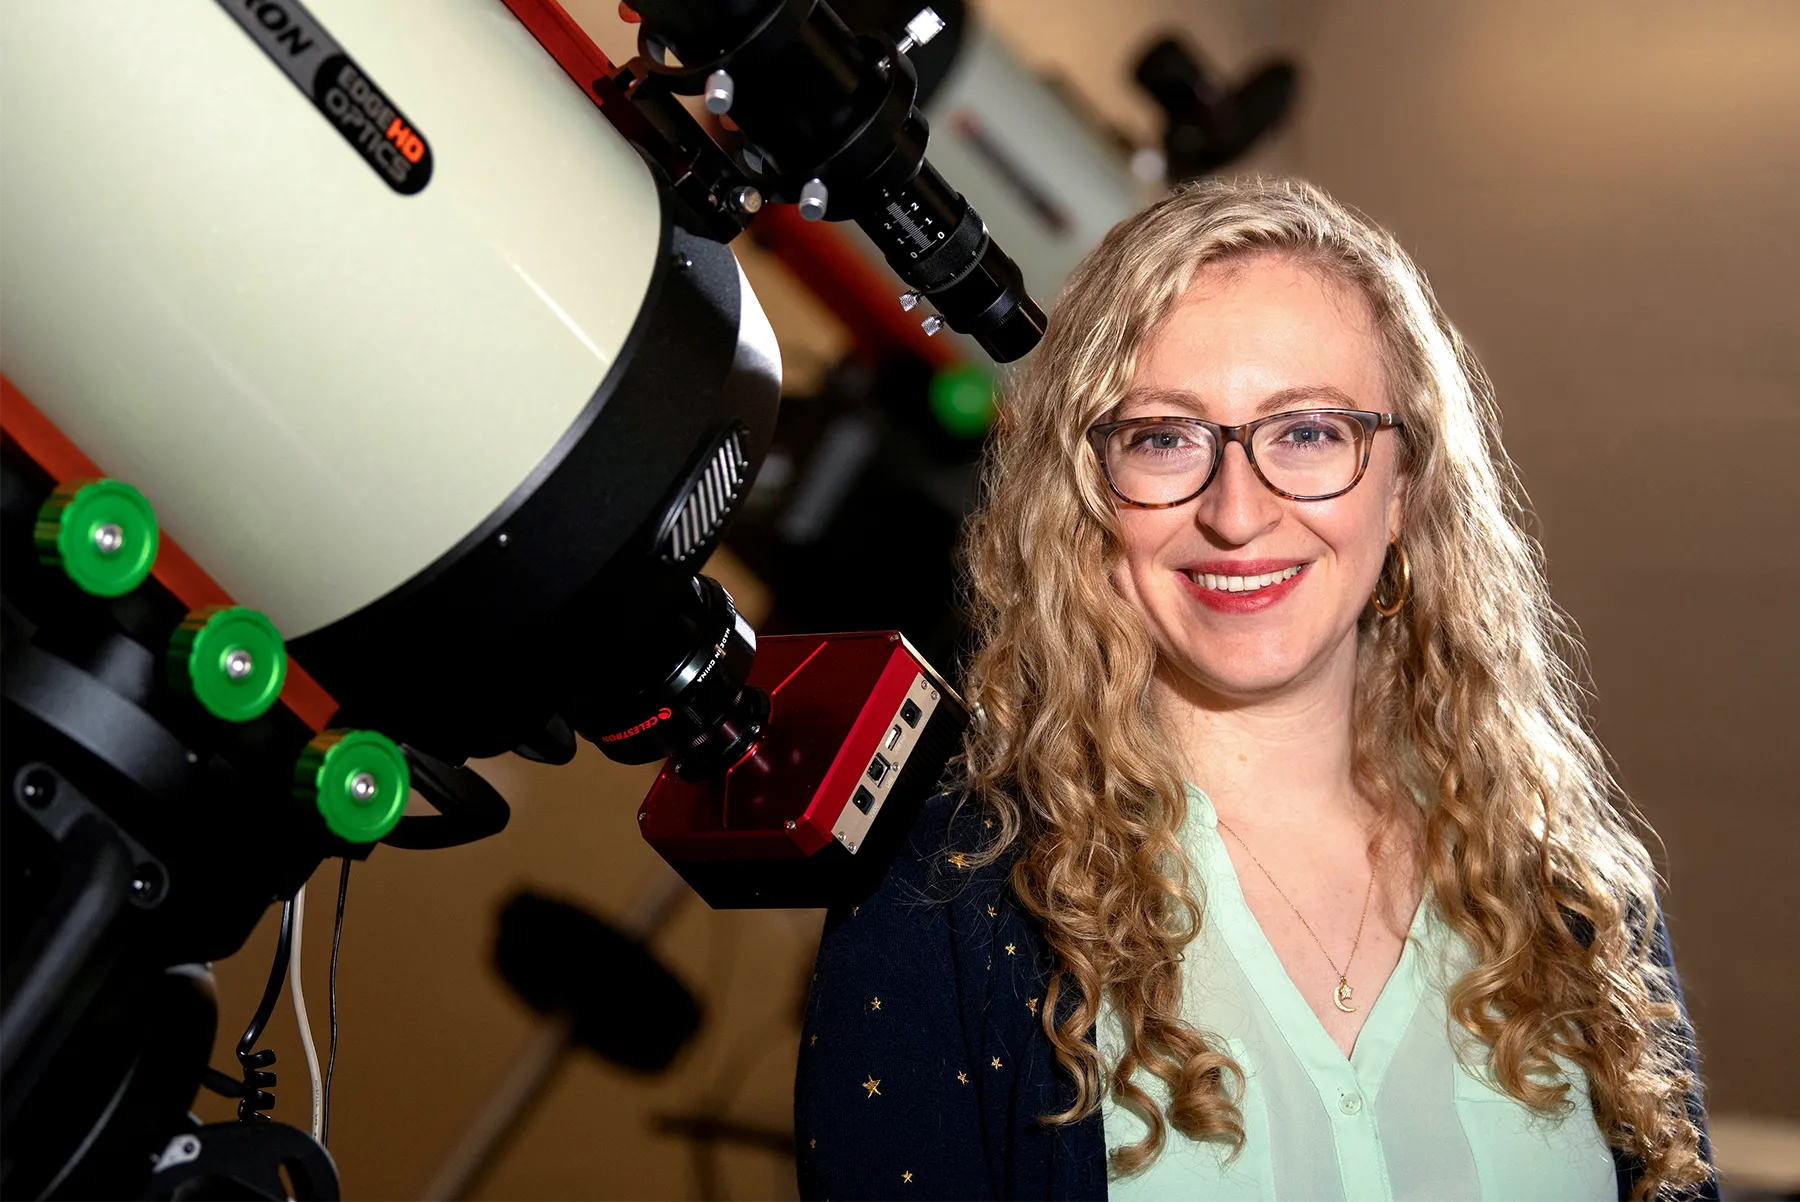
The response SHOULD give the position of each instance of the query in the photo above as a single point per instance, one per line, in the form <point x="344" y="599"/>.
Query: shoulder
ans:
<point x="922" y="1062"/>
<point x="927" y="934"/>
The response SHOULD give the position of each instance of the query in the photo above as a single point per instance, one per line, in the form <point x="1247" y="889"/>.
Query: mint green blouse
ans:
<point x="1401" y="1118"/>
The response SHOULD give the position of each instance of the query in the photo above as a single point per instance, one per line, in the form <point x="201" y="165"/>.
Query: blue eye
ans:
<point x="1311" y="433"/>
<point x="1160" y="440"/>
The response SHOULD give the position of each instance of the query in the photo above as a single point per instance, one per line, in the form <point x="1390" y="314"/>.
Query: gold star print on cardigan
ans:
<point x="907" y="1177"/>
<point x="996" y="1062"/>
<point x="873" y="1085"/>
<point x="963" y="1077"/>
<point x="991" y="911"/>
<point x="1031" y="1005"/>
<point x="1012" y="949"/>
<point x="812" y="1040"/>
<point x="875" y="1004"/>
<point x="959" y="860"/>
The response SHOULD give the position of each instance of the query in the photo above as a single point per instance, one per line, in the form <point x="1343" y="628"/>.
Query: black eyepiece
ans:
<point x="935" y="241"/>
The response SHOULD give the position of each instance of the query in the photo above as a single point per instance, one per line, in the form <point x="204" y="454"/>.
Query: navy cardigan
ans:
<point x="924" y="1068"/>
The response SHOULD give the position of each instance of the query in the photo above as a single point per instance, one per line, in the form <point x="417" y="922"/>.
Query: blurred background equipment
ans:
<point x="595" y="986"/>
<point x="855" y="518"/>
<point x="599" y="987"/>
<point x="1211" y="125"/>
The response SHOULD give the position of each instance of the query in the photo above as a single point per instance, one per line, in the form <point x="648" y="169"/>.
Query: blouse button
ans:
<point x="1350" y="1103"/>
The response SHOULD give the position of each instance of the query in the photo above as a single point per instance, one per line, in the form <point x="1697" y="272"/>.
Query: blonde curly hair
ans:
<point x="1467" y="700"/>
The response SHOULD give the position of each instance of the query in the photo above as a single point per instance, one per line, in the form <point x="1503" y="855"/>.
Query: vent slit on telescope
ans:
<point x="709" y="501"/>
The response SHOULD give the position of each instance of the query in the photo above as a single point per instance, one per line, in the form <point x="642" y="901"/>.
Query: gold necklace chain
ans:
<point x="1340" y="999"/>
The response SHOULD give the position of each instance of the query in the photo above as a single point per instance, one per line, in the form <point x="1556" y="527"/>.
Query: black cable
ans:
<point x="337" y="937"/>
<point x="257" y="1097"/>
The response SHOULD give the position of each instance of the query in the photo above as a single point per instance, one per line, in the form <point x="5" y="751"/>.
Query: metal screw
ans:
<point x="108" y="538"/>
<point x="909" y="300"/>
<point x="813" y="198"/>
<point x="642" y="814"/>
<point x="850" y="846"/>
<point x="790" y="824"/>
<point x="504" y="538"/>
<point x="38" y="789"/>
<point x="720" y="92"/>
<point x="238" y="663"/>
<point x="932" y="324"/>
<point x="147" y="884"/>
<point x="924" y="26"/>
<point x="363" y="786"/>
<point x="747" y="199"/>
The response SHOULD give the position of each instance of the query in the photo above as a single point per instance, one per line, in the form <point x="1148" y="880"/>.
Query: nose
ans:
<point x="1237" y="506"/>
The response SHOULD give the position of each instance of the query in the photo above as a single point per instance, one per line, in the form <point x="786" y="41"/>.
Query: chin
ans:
<point x="1239" y="682"/>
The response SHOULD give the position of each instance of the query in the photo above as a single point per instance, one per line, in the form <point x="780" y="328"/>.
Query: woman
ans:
<point x="1283" y="863"/>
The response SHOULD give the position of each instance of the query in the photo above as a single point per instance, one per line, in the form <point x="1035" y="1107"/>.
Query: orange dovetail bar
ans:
<point x="175" y="569"/>
<point x="567" y="42"/>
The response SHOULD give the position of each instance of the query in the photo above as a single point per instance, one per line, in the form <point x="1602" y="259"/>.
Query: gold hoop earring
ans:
<point x="1389" y="609"/>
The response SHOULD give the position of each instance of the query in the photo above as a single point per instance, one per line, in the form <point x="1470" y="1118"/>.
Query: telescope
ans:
<point x="376" y="380"/>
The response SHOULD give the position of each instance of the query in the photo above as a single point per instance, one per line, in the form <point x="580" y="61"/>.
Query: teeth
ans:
<point x="1243" y="584"/>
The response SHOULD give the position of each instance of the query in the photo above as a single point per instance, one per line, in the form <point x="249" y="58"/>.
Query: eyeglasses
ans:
<point x="1306" y="455"/>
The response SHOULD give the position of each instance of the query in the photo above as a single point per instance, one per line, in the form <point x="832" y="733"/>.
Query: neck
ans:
<point x="1280" y="760"/>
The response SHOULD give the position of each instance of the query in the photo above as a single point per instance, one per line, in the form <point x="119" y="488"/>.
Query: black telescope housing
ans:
<point x="825" y="109"/>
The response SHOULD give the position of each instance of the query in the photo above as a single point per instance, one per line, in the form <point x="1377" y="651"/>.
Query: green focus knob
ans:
<point x="102" y="533"/>
<point x="359" y="781"/>
<point x="230" y="659"/>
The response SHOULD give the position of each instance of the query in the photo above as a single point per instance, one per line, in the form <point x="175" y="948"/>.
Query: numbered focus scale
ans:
<point x="905" y="226"/>
<point x="861" y="729"/>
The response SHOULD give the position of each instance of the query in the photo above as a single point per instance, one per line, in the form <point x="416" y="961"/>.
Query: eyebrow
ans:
<point x="1275" y="402"/>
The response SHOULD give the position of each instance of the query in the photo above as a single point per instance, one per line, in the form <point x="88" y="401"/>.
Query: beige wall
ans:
<point x="1607" y="197"/>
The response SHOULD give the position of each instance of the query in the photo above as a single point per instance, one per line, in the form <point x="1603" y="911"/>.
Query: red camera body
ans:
<point x="859" y="733"/>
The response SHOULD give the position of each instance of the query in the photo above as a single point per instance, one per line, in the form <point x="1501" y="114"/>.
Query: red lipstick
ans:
<point x="1242" y="603"/>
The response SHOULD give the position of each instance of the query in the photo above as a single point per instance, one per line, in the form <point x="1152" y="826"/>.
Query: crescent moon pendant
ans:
<point x="1342" y="998"/>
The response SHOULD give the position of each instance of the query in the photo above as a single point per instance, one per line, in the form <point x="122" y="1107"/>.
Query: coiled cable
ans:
<point x="257" y="1099"/>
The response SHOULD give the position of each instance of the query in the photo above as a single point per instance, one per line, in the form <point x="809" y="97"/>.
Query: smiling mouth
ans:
<point x="1243" y="584"/>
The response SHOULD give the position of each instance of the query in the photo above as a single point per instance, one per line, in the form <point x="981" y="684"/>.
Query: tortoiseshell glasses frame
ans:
<point x="1367" y="422"/>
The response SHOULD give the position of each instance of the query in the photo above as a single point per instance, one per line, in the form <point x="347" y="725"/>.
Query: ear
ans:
<point x="1396" y="506"/>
